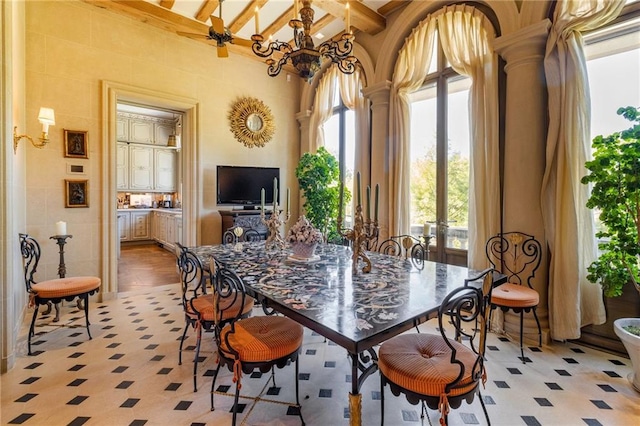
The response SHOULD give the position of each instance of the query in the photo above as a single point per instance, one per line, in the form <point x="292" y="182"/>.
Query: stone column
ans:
<point x="378" y="94"/>
<point x="524" y="154"/>
<point x="303" y="118"/>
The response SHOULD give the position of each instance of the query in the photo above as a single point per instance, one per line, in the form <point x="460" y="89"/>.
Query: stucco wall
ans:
<point x="71" y="48"/>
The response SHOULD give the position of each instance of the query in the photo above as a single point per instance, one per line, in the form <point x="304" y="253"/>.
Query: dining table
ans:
<point x="355" y="310"/>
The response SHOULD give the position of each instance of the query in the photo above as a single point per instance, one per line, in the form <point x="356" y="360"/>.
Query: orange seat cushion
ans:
<point x="514" y="296"/>
<point x="65" y="287"/>
<point x="204" y="305"/>
<point x="263" y="338"/>
<point x="421" y="363"/>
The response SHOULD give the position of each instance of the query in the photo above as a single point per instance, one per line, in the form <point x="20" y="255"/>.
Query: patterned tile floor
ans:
<point x="128" y="374"/>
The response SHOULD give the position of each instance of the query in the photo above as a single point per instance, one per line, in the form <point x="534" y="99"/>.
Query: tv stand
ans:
<point x="251" y="207"/>
<point x="247" y="219"/>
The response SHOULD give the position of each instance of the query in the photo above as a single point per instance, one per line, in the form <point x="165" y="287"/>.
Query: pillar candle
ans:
<point x="368" y="202"/>
<point x="262" y="199"/>
<point x="61" y="228"/>
<point x="340" y="206"/>
<point x="347" y="17"/>
<point x="257" y="20"/>
<point x="275" y="190"/>
<point x="288" y="202"/>
<point x="358" y="189"/>
<point x="375" y="208"/>
<point x="295" y="9"/>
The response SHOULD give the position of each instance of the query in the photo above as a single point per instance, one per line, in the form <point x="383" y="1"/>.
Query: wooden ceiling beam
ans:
<point x="246" y="15"/>
<point x="362" y="18"/>
<point x="167" y="3"/>
<point x="392" y="6"/>
<point x="152" y="14"/>
<point x="206" y="10"/>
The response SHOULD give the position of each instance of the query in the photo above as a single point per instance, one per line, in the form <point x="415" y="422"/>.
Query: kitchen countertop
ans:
<point x="151" y="209"/>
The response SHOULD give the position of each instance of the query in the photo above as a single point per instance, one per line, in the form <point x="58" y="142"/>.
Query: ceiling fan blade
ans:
<point x="193" y="36"/>
<point x="223" y="52"/>
<point x="242" y="42"/>
<point x="217" y="24"/>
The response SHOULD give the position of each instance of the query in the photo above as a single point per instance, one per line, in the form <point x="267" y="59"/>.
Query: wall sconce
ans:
<point x="47" y="118"/>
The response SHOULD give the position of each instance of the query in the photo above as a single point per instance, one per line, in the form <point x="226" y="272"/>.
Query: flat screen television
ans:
<point x="238" y="185"/>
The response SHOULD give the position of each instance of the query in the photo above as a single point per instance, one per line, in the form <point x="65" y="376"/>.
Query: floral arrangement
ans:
<point x="304" y="232"/>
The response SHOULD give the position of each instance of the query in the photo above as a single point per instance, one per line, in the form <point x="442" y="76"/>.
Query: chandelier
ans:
<point x="304" y="56"/>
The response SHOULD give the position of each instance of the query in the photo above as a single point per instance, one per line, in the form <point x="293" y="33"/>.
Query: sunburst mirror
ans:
<point x="251" y="122"/>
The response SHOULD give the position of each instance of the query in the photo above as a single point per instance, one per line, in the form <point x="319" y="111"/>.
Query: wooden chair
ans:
<point x="52" y="291"/>
<point x="249" y="344"/>
<point x="438" y="370"/>
<point x="518" y="256"/>
<point x="197" y="304"/>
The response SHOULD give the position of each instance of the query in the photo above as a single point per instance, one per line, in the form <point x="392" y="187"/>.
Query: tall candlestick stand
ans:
<point x="274" y="239"/>
<point x="362" y="232"/>
<point x="61" y="240"/>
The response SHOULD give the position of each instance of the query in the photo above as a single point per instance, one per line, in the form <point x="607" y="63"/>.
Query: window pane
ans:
<point x="332" y="135"/>
<point x="458" y="161"/>
<point x="423" y="157"/>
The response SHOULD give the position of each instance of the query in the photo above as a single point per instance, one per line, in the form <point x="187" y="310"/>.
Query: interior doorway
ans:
<point x="113" y="94"/>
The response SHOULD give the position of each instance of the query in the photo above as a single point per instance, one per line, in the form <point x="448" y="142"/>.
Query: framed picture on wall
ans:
<point x="76" y="144"/>
<point x="76" y="193"/>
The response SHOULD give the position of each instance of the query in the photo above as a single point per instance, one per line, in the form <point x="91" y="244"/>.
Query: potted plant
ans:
<point x="319" y="179"/>
<point x="615" y="175"/>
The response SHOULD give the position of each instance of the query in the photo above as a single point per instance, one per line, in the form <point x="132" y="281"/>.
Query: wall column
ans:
<point x="524" y="154"/>
<point x="378" y="94"/>
<point x="304" y="117"/>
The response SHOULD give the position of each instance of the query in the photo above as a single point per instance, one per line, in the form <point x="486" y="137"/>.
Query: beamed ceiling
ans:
<point x="192" y="16"/>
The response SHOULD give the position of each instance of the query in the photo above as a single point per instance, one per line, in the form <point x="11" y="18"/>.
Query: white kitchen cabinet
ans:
<point x="141" y="130"/>
<point x="140" y="167"/>
<point x="178" y="222"/>
<point x="167" y="229"/>
<point x="140" y="228"/>
<point x="124" y="219"/>
<point x="122" y="129"/>
<point x="162" y="131"/>
<point x="122" y="166"/>
<point x="165" y="170"/>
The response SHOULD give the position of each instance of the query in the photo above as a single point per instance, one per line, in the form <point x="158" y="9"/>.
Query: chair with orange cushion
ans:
<point x="197" y="304"/>
<point x="52" y="291"/>
<point x="518" y="256"/>
<point x="249" y="344"/>
<point x="437" y="369"/>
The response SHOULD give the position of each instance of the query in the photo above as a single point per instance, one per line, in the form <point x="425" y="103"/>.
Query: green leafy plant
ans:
<point x="615" y="175"/>
<point x="319" y="178"/>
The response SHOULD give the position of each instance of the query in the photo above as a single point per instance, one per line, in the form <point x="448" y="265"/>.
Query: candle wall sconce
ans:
<point x="46" y="117"/>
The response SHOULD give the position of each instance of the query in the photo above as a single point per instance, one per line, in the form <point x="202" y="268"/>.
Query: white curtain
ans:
<point x="409" y="74"/>
<point x="322" y="107"/>
<point x="569" y="226"/>
<point x="351" y="94"/>
<point x="466" y="38"/>
<point x="468" y="46"/>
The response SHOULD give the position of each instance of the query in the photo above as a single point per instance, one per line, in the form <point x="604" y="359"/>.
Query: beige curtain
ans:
<point x="351" y="94"/>
<point x="467" y="43"/>
<point x="569" y="226"/>
<point x="468" y="46"/>
<point x="322" y="107"/>
<point x="409" y="74"/>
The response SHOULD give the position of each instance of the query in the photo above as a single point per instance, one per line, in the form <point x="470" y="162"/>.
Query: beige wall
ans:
<point x="71" y="48"/>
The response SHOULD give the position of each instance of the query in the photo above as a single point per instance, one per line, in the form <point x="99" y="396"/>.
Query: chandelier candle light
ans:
<point x="304" y="56"/>
<point x="363" y="229"/>
<point x="274" y="239"/>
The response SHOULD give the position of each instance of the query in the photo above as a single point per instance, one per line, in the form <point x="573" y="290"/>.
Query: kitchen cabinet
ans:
<point x="165" y="169"/>
<point x="124" y="219"/>
<point x="167" y="228"/>
<point x="140" y="167"/>
<point x="122" y="129"/>
<point x="140" y="228"/>
<point x="143" y="129"/>
<point x="122" y="166"/>
<point x="145" y="168"/>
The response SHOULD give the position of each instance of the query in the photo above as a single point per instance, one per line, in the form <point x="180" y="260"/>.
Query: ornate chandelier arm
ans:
<point x="268" y="49"/>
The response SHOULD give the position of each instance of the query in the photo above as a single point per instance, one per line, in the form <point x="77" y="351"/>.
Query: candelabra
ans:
<point x="362" y="232"/>
<point x="274" y="239"/>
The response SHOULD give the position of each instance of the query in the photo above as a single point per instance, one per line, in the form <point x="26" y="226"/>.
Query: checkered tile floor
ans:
<point x="128" y="374"/>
